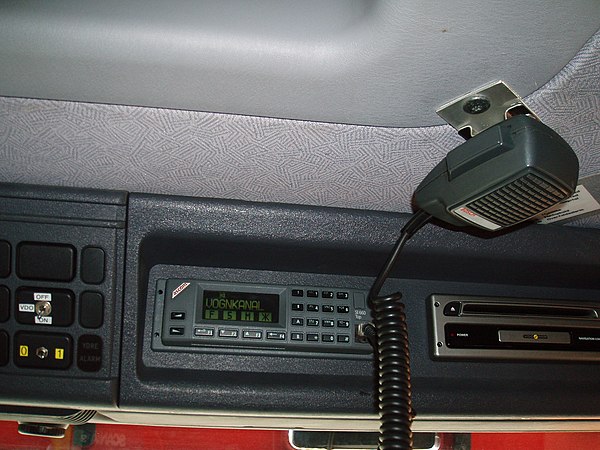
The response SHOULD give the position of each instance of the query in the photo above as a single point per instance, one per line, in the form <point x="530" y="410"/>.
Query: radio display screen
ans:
<point x="240" y="307"/>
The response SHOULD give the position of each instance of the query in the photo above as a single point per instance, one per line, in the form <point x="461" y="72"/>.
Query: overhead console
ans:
<point x="185" y="311"/>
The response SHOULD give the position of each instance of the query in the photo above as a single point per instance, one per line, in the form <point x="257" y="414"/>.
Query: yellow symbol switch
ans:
<point x="59" y="353"/>
<point x="23" y="351"/>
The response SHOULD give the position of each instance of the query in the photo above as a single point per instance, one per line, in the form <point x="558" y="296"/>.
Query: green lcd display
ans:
<point x="239" y="307"/>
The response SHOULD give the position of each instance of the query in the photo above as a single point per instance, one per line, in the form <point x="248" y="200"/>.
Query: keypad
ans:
<point x="333" y="315"/>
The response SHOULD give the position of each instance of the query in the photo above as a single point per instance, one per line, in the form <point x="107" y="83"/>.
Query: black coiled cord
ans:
<point x="395" y="404"/>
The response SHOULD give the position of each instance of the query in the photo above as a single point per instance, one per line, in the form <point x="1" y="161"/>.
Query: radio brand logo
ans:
<point x="179" y="289"/>
<point x="468" y="212"/>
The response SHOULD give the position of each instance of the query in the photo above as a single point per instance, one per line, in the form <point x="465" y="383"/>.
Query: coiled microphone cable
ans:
<point x="395" y="405"/>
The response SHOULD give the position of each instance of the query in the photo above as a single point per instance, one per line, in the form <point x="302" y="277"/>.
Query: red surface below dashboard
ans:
<point x="131" y="437"/>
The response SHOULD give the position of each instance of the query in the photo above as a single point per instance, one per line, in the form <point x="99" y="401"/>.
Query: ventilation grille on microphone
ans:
<point x="518" y="201"/>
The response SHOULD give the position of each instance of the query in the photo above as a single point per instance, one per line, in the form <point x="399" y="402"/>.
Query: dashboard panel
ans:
<point x="104" y="257"/>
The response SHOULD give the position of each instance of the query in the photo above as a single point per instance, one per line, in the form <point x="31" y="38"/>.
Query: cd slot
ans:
<point x="527" y="310"/>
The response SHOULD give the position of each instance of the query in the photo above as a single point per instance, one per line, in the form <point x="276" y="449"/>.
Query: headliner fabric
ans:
<point x="263" y="159"/>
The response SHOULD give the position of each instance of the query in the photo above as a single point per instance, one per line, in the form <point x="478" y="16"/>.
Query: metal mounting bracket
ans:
<point x="482" y="108"/>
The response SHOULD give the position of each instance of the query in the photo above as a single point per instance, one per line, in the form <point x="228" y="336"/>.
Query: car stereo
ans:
<point x="197" y="314"/>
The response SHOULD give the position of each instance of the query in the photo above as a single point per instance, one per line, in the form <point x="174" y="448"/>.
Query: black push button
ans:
<point x="92" y="265"/>
<point x="295" y="336"/>
<point x="3" y="348"/>
<point x="297" y="307"/>
<point x="327" y="338"/>
<point x="312" y="308"/>
<point x="327" y="294"/>
<point x="297" y="293"/>
<point x="327" y="308"/>
<point x="312" y="322"/>
<point x="452" y="309"/>
<point x="177" y="315"/>
<point x="312" y="337"/>
<point x="297" y="321"/>
<point x="343" y="338"/>
<point x="4" y="259"/>
<point x="343" y="309"/>
<point x="48" y="262"/>
<point x="313" y="294"/>
<point x="228" y="333"/>
<point x="89" y="353"/>
<point x="342" y="295"/>
<point x="42" y="350"/>
<point x="276" y="335"/>
<point x="91" y="309"/>
<point x="4" y="303"/>
<point x="176" y="331"/>
<point x="43" y="306"/>
<point x="252" y="334"/>
<point x="328" y="323"/>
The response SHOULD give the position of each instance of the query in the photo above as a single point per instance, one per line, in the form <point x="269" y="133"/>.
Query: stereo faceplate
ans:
<point x="198" y="314"/>
<point x="467" y="327"/>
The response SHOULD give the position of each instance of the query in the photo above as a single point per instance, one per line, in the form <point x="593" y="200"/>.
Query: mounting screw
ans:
<point x="439" y="344"/>
<point x="476" y="105"/>
<point x="436" y="304"/>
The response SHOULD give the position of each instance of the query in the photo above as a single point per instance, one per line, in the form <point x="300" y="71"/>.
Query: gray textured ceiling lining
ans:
<point x="372" y="62"/>
<point x="263" y="159"/>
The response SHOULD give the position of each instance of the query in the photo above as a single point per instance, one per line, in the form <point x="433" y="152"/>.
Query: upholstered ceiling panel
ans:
<point x="263" y="159"/>
<point x="369" y="62"/>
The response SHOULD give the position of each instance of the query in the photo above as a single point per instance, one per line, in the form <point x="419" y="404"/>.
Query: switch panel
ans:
<point x="43" y="306"/>
<point x="42" y="350"/>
